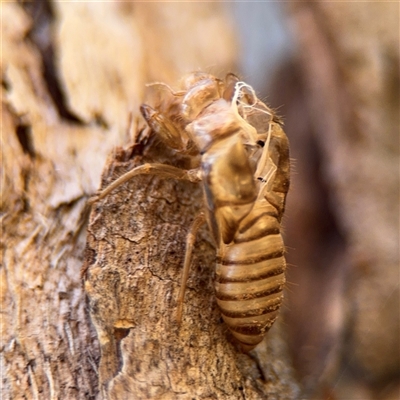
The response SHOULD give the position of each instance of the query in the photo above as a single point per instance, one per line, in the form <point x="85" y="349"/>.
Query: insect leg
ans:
<point x="166" y="86"/>
<point x="163" y="170"/>
<point x="190" y="240"/>
<point x="165" y="129"/>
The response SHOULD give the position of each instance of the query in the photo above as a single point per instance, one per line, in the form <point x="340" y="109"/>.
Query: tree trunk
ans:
<point x="73" y="75"/>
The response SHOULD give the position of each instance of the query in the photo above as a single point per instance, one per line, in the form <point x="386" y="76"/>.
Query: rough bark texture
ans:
<point x="136" y="244"/>
<point x="73" y="75"/>
<point x="343" y="215"/>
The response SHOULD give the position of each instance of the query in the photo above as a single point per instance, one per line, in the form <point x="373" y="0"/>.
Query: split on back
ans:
<point x="242" y="156"/>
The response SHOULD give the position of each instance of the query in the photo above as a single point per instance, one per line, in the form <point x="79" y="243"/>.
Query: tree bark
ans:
<point x="73" y="75"/>
<point x="344" y="134"/>
<point x="135" y="251"/>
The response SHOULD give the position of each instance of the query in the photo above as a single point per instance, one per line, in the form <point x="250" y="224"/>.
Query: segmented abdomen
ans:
<point x="250" y="276"/>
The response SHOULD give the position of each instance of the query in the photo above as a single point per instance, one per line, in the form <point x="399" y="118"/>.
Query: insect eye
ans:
<point x="260" y="143"/>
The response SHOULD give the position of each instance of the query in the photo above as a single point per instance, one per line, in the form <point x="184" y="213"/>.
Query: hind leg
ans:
<point x="190" y="240"/>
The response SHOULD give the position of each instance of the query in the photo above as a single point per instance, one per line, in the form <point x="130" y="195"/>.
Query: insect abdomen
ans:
<point x="250" y="276"/>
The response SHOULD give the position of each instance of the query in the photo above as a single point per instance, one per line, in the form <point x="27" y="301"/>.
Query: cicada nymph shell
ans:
<point x="244" y="172"/>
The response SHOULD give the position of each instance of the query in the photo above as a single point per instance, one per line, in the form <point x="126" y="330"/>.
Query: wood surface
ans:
<point x="73" y="76"/>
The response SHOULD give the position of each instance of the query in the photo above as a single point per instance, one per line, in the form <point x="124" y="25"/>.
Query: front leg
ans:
<point x="165" y="129"/>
